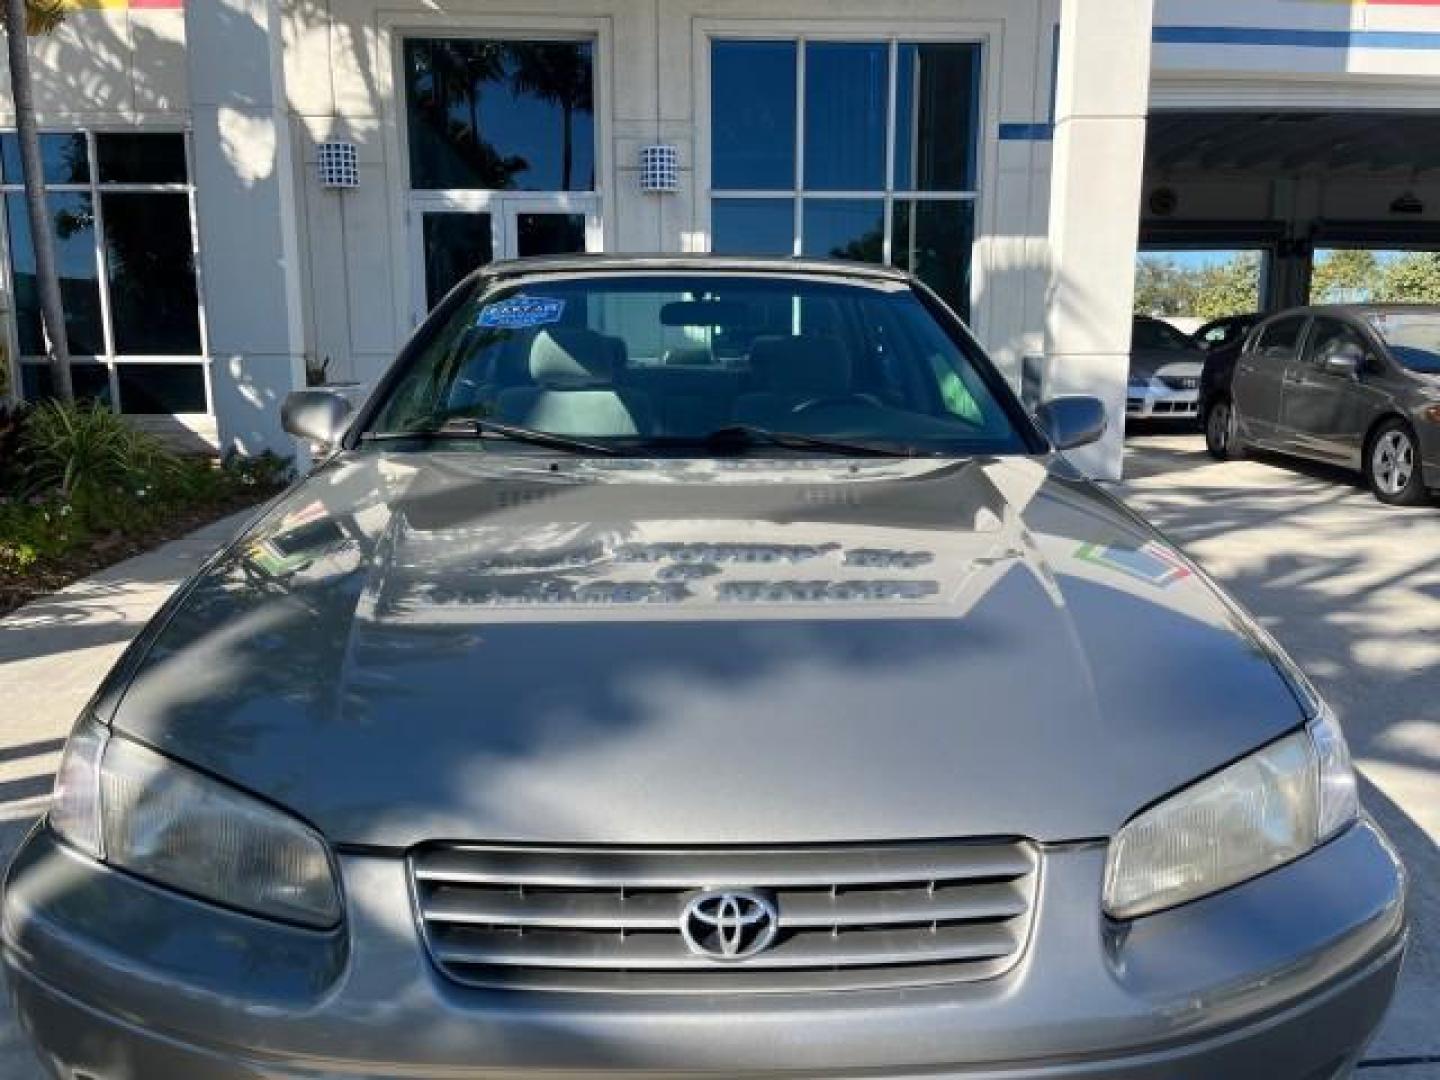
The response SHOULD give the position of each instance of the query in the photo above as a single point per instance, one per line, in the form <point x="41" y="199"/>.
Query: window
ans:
<point x="1281" y="336"/>
<point x="1224" y="332"/>
<point x="501" y="141"/>
<point x="1201" y="283"/>
<point x="1355" y="275"/>
<point x="661" y="361"/>
<point x="121" y="220"/>
<point x="1155" y="335"/>
<point x="1330" y="336"/>
<point x="1411" y="337"/>
<point x="500" y="115"/>
<point x="862" y="150"/>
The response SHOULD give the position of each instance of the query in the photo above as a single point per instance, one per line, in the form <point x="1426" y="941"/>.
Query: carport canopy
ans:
<point x="1277" y="143"/>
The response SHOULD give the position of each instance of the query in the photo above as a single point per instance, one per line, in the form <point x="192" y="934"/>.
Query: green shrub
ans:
<point x="30" y="532"/>
<point x="74" y="448"/>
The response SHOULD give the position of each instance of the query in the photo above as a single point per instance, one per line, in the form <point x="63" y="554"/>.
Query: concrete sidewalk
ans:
<point x="1349" y="586"/>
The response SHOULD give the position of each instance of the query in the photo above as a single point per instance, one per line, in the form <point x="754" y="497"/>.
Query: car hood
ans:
<point x="416" y="646"/>
<point x="1171" y="363"/>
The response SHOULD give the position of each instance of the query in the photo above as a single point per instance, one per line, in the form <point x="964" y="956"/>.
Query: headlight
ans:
<point x="1264" y="810"/>
<point x="141" y="812"/>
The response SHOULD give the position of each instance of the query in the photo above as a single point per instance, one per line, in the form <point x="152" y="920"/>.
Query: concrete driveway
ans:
<point x="1352" y="588"/>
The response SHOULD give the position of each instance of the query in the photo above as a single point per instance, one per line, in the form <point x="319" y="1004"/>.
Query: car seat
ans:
<point x="572" y="392"/>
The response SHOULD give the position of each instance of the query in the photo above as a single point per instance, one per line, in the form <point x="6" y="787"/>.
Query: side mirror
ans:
<point x="1069" y="422"/>
<point x="317" y="415"/>
<point x="1346" y="362"/>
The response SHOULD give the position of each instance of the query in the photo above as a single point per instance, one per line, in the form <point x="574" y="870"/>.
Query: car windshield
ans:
<point x="1154" y="334"/>
<point x="1413" y="338"/>
<point x="668" y="362"/>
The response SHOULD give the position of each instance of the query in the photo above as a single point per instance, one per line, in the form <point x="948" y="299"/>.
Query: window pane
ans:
<point x="752" y="226"/>
<point x="501" y="115"/>
<point x="1283" y="333"/>
<point x="846" y="89"/>
<point x="549" y="234"/>
<point x="91" y="382"/>
<point x="141" y="157"/>
<point x="161" y="388"/>
<point x="937" y="98"/>
<point x="844" y="229"/>
<point x="1374" y="276"/>
<point x="73" y="218"/>
<point x="932" y="240"/>
<point x="753" y="115"/>
<point x="455" y="244"/>
<point x="154" y="307"/>
<point x="66" y="161"/>
<point x="1198" y="283"/>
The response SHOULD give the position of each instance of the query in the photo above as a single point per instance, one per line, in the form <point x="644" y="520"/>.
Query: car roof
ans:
<point x="692" y="263"/>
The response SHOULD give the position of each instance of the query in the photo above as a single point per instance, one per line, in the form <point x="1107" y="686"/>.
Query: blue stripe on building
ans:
<point x="1027" y="132"/>
<point x="1296" y="39"/>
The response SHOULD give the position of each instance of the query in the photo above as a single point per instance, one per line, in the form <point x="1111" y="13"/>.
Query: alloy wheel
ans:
<point x="1392" y="461"/>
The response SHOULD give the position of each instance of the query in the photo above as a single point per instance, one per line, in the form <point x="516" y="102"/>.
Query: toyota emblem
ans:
<point x="729" y="924"/>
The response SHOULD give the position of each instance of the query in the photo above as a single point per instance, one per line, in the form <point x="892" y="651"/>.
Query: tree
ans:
<point x="1228" y="288"/>
<point x="21" y="19"/>
<point x="1412" y="278"/>
<point x="1165" y="287"/>
<point x="558" y="72"/>
<point x="1346" y="275"/>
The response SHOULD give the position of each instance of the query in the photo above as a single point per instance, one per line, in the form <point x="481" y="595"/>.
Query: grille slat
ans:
<point x="610" y="919"/>
<point x="667" y="952"/>
<point x="604" y="910"/>
<point x="771" y="868"/>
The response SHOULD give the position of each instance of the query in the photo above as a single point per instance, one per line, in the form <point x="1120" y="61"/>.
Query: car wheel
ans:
<point x="1220" y="437"/>
<point x="1392" y="465"/>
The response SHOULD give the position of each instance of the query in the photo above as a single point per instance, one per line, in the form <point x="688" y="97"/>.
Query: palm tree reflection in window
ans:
<point x="500" y="115"/>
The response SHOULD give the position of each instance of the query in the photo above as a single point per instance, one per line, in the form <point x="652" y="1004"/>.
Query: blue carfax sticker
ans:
<point x="520" y="313"/>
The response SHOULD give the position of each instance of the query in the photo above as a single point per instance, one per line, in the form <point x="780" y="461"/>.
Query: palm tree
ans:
<point x="559" y="72"/>
<point x="21" y="19"/>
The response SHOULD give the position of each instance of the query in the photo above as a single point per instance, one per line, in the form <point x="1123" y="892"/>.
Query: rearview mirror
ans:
<point x="1070" y="422"/>
<point x="317" y="415"/>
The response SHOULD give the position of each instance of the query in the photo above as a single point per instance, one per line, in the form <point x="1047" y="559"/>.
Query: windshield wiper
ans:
<point x="738" y="437"/>
<point x="462" y="427"/>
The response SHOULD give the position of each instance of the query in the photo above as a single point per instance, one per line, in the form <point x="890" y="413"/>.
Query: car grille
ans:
<point x="849" y="917"/>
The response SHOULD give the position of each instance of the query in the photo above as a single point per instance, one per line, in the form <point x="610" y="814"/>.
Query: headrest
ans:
<point x="572" y="354"/>
<point x="810" y="364"/>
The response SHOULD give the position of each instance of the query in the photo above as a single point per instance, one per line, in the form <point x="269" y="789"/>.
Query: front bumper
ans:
<point x="1158" y="402"/>
<point x="1286" y="976"/>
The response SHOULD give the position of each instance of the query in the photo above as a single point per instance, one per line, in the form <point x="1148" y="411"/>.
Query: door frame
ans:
<point x="386" y="62"/>
<point x="503" y="208"/>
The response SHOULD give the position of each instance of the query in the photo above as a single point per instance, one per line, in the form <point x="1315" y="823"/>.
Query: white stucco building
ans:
<point x="997" y="147"/>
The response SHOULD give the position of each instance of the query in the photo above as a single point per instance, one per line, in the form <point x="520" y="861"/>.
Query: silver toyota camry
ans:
<point x="692" y="667"/>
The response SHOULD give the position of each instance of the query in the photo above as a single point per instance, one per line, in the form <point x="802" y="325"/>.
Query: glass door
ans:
<point x="453" y="236"/>
<point x="559" y="225"/>
<point x="452" y="243"/>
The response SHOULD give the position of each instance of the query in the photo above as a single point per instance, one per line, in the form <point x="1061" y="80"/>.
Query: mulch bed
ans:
<point x="52" y="575"/>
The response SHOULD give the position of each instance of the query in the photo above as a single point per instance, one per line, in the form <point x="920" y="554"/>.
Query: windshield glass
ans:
<point x="1413" y="338"/>
<point x="1154" y="334"/>
<point x="665" y="360"/>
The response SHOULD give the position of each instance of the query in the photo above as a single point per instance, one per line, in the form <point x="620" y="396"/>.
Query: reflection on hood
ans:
<point x="477" y="647"/>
